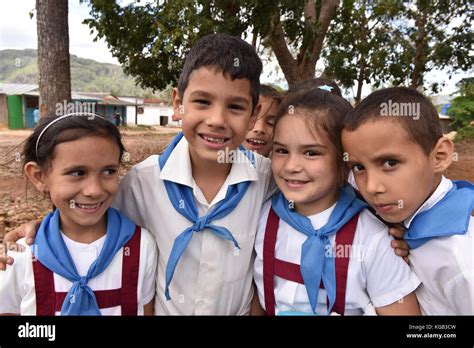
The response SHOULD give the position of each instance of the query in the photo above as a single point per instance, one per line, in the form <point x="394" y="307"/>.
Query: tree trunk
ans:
<point x="419" y="61"/>
<point x="304" y="66"/>
<point x="53" y="54"/>
<point x="360" y="81"/>
<point x="364" y="29"/>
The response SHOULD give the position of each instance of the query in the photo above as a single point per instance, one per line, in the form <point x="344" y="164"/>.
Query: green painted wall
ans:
<point x="15" y="112"/>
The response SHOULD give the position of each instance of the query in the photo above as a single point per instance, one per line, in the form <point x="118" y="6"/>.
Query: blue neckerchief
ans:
<point x="314" y="265"/>
<point x="52" y="252"/>
<point x="447" y="217"/>
<point x="182" y="198"/>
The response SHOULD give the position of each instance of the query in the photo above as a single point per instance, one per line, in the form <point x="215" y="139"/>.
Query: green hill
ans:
<point x="87" y="75"/>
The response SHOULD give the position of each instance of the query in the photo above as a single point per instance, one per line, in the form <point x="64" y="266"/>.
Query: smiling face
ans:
<point x="259" y="139"/>
<point x="304" y="167"/>
<point x="216" y="113"/>
<point x="393" y="173"/>
<point x="82" y="182"/>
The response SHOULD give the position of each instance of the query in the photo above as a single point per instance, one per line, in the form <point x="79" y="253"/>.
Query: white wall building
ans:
<point x="132" y="109"/>
<point x="150" y="112"/>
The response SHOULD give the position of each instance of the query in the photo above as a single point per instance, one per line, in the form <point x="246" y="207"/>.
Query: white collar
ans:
<point x="70" y="243"/>
<point x="178" y="166"/>
<point x="178" y="169"/>
<point x="443" y="188"/>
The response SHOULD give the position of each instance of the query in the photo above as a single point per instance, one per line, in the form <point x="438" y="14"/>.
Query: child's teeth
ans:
<point x="214" y="140"/>
<point x="87" y="206"/>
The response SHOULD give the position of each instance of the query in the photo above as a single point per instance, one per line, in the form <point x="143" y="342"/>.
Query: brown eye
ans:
<point x="201" y="101"/>
<point x="110" y="171"/>
<point x="388" y="164"/>
<point x="312" y="153"/>
<point x="357" y="168"/>
<point x="280" y="151"/>
<point x="236" y="107"/>
<point x="77" y="173"/>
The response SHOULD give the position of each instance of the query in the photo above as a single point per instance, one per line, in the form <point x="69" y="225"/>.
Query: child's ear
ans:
<point x="178" y="108"/>
<point x="254" y="116"/>
<point x="35" y="174"/>
<point x="442" y="154"/>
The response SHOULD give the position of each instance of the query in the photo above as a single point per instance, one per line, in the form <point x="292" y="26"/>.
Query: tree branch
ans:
<point x="280" y="48"/>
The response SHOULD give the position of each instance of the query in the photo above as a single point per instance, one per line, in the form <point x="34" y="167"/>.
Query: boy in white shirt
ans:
<point x="396" y="150"/>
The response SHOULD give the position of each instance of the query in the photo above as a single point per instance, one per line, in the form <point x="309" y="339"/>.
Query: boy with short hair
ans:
<point x="203" y="212"/>
<point x="396" y="149"/>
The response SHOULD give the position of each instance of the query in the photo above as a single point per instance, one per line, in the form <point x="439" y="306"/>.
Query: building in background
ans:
<point x="19" y="101"/>
<point x="153" y="111"/>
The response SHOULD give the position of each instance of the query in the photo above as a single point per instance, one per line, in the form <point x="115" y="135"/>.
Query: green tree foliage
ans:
<point x="367" y="41"/>
<point x="360" y="43"/>
<point x="431" y="35"/>
<point x="151" y="39"/>
<point x="462" y="110"/>
<point x="397" y="43"/>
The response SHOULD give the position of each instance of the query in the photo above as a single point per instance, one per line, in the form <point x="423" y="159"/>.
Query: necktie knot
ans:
<point x="200" y="224"/>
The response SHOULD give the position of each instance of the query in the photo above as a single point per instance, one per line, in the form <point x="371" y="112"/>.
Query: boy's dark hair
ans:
<point x="228" y="54"/>
<point x="424" y="131"/>
<point x="68" y="129"/>
<point x="324" y="111"/>
<point x="315" y="83"/>
<point x="270" y="92"/>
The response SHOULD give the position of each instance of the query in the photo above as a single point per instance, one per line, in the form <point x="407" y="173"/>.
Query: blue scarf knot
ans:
<point x="200" y="223"/>
<point x="53" y="254"/>
<point x="314" y="265"/>
<point x="83" y="282"/>
<point x="178" y="193"/>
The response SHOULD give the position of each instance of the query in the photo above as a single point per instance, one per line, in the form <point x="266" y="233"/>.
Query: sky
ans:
<point x="18" y="31"/>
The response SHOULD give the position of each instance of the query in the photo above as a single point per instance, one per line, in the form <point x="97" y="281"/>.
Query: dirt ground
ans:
<point x="20" y="202"/>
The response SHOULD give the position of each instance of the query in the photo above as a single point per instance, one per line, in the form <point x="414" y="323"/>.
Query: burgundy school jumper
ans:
<point x="48" y="301"/>
<point x="290" y="271"/>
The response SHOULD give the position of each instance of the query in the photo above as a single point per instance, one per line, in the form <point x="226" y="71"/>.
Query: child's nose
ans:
<point x="216" y="117"/>
<point x="373" y="183"/>
<point x="259" y="127"/>
<point x="93" y="187"/>
<point x="293" y="164"/>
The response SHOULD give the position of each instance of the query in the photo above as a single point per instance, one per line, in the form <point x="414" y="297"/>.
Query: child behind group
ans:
<point x="397" y="151"/>
<point x="88" y="258"/>
<point x="315" y="232"/>
<point x="259" y="139"/>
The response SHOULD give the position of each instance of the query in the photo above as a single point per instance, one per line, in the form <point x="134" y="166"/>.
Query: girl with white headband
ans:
<point x="88" y="258"/>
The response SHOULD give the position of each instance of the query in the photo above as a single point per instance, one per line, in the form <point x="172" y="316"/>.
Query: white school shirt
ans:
<point x="17" y="283"/>
<point x="211" y="278"/>
<point x="444" y="266"/>
<point x="375" y="277"/>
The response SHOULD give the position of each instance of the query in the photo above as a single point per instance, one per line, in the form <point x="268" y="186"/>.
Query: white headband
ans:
<point x="90" y="116"/>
